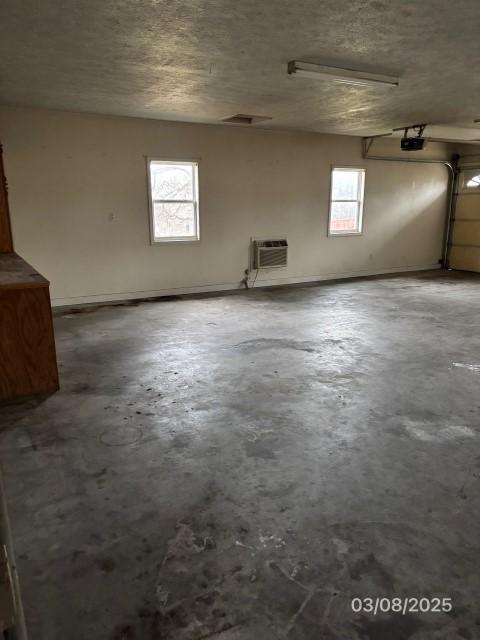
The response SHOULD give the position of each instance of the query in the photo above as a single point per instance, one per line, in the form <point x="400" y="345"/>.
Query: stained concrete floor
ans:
<point x="240" y="467"/>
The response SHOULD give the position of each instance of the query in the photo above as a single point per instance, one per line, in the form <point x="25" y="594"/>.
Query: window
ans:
<point x="346" y="201"/>
<point x="469" y="180"/>
<point x="173" y="200"/>
<point x="474" y="182"/>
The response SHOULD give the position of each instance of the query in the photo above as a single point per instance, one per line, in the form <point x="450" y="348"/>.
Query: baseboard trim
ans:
<point x="231" y="286"/>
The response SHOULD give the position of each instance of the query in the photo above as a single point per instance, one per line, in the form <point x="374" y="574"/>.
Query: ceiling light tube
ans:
<point x="344" y="76"/>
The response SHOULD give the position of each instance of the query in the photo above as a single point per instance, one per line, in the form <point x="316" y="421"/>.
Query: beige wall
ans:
<point x="78" y="196"/>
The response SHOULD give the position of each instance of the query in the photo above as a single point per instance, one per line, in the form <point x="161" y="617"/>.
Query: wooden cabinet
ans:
<point x="28" y="362"/>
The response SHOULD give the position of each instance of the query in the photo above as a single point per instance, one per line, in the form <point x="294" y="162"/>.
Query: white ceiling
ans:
<point x="206" y="60"/>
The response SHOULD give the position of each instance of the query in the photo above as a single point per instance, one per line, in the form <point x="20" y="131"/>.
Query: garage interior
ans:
<point x="239" y="335"/>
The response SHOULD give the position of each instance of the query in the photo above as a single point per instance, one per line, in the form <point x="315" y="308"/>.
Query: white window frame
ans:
<point x="360" y="203"/>
<point x="184" y="239"/>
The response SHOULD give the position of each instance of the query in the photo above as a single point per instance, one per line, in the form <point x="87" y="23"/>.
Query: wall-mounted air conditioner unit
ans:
<point x="269" y="254"/>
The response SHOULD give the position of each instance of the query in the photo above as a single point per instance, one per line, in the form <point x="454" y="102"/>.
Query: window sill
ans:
<point x="346" y="233"/>
<point x="175" y="241"/>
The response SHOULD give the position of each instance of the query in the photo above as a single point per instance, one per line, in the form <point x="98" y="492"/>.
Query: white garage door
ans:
<point x="465" y="249"/>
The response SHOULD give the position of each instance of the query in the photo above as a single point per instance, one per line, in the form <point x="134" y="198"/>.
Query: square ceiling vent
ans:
<point x="243" y="118"/>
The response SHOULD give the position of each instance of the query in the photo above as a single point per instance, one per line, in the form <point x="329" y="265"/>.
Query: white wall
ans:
<point x="78" y="199"/>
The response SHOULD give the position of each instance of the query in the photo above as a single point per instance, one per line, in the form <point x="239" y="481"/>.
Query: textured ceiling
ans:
<point x="206" y="60"/>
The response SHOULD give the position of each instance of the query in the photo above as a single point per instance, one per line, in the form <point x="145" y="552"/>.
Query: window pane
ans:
<point x="344" y="217"/>
<point x="171" y="181"/>
<point x="474" y="182"/>
<point x="345" y="185"/>
<point x="172" y="219"/>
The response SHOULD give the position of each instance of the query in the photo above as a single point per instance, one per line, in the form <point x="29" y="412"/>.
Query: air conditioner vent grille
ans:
<point x="270" y="254"/>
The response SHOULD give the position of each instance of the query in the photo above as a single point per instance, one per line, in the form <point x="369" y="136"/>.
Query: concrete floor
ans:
<point x="240" y="467"/>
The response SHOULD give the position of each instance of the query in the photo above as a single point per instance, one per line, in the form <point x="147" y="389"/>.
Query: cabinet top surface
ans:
<point x="15" y="273"/>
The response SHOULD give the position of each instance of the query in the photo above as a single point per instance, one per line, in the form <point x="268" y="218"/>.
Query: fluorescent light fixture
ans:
<point x="343" y="76"/>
